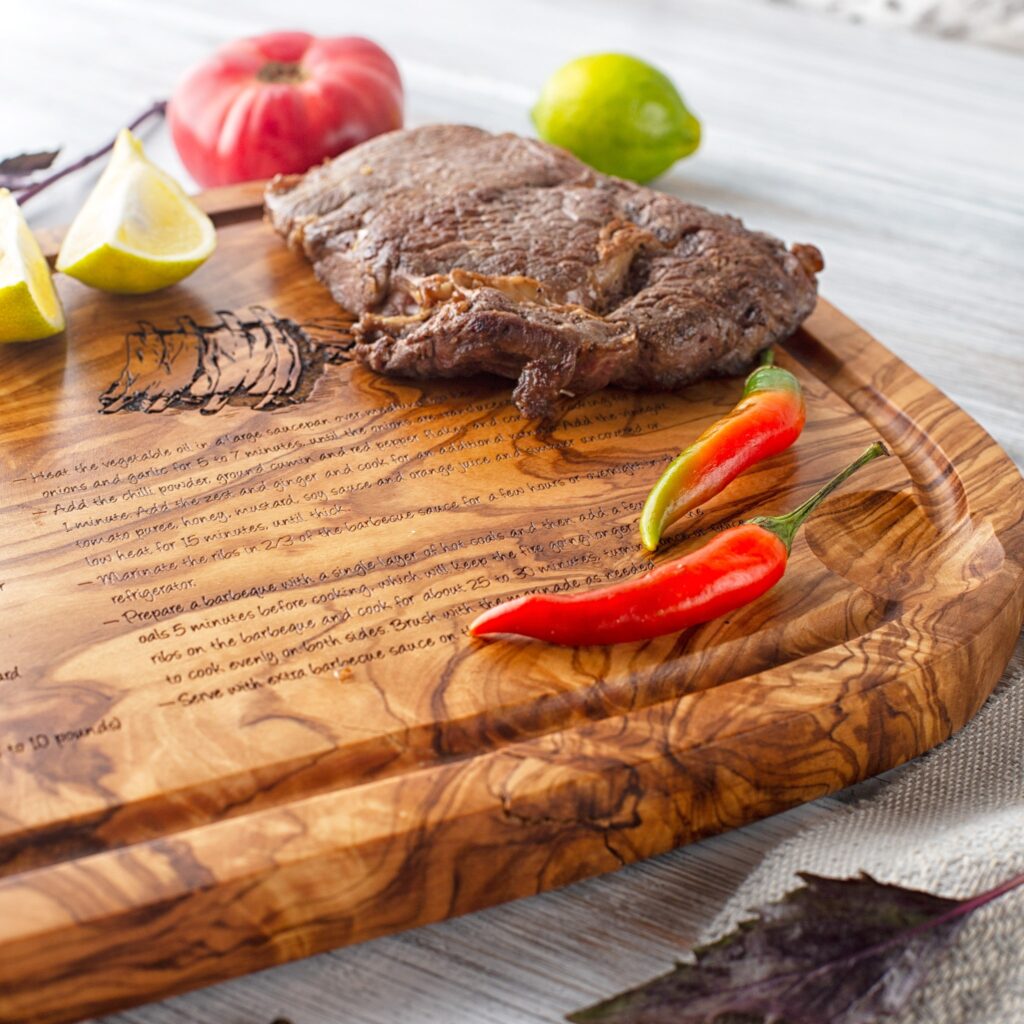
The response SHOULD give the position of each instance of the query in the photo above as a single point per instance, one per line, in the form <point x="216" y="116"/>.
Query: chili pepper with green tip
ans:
<point x="730" y="570"/>
<point x="767" y="420"/>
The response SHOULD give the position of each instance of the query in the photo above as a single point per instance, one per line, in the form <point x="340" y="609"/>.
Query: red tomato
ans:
<point x="282" y="103"/>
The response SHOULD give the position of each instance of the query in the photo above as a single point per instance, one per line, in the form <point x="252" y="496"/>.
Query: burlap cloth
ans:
<point x="951" y="822"/>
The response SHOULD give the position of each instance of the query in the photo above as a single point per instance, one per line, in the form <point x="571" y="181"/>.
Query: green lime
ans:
<point x="618" y="114"/>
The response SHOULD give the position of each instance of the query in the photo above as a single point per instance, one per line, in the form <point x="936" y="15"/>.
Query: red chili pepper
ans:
<point x="766" y="421"/>
<point x="730" y="570"/>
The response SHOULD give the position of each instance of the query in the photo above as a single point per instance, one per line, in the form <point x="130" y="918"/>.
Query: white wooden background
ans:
<point x="993" y="22"/>
<point x="902" y="157"/>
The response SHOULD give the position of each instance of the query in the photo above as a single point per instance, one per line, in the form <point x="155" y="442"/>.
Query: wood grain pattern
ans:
<point x="151" y="842"/>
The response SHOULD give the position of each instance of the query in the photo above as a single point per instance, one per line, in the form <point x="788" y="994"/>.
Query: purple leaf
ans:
<point x="847" y="951"/>
<point x="26" y="163"/>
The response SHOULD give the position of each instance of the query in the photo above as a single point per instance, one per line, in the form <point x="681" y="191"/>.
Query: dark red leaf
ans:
<point x="847" y="951"/>
<point x="26" y="163"/>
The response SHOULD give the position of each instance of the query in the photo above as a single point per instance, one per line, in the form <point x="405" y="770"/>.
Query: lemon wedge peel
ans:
<point x="30" y="308"/>
<point x="138" y="230"/>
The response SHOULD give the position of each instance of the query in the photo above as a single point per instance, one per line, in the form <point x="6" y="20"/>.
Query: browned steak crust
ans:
<point x="464" y="252"/>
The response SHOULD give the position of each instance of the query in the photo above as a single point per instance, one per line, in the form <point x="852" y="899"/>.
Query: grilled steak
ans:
<point x="464" y="252"/>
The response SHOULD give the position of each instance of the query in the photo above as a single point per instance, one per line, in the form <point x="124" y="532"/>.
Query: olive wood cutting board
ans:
<point x="240" y="718"/>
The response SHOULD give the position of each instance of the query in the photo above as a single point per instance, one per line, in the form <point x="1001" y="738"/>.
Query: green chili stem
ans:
<point x="785" y="526"/>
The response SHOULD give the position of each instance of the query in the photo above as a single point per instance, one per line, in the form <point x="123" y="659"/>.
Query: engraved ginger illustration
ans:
<point x="257" y="358"/>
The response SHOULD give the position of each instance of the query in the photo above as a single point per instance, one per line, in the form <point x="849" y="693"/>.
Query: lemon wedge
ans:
<point x="138" y="230"/>
<point x="29" y="305"/>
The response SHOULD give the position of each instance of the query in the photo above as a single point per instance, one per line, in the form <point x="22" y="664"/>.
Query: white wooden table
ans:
<point x="901" y="157"/>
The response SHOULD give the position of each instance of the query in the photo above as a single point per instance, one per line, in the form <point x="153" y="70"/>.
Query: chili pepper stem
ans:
<point x="768" y="357"/>
<point x="785" y="527"/>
